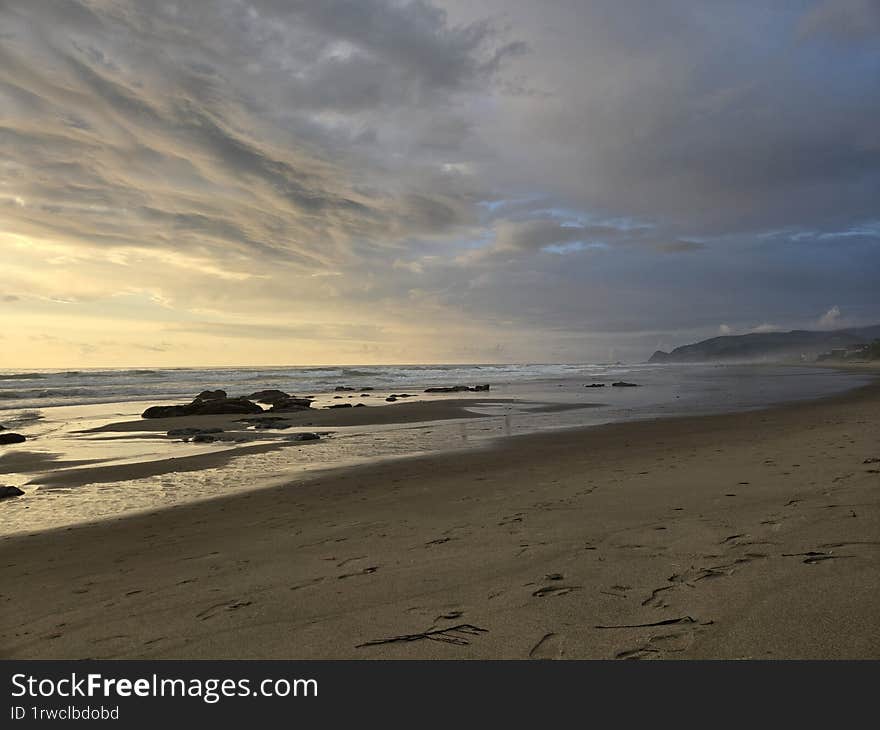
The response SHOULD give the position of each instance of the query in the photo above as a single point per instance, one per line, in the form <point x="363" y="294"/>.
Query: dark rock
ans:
<point x="204" y="405"/>
<point x="360" y="405"/>
<point x="203" y="438"/>
<point x="341" y="405"/>
<point x="457" y="389"/>
<point x="6" y="492"/>
<point x="165" y="412"/>
<point x="339" y="388"/>
<point x="223" y="406"/>
<point x="210" y="395"/>
<point x="305" y="437"/>
<point x="11" y="438"/>
<point x="595" y="385"/>
<point x="291" y="404"/>
<point x="365" y="395"/>
<point x="364" y="390"/>
<point x="624" y="384"/>
<point x="391" y="399"/>
<point x="270" y="396"/>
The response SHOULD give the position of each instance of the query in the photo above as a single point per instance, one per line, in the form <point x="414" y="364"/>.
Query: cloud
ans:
<point x="830" y="319"/>
<point x="767" y="327"/>
<point x="537" y="170"/>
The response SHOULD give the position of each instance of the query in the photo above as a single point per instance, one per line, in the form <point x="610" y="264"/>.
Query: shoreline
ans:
<point x="433" y="411"/>
<point x="722" y="536"/>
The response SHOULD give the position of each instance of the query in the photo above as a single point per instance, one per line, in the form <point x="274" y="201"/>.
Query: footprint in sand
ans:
<point x="554" y="591"/>
<point x="660" y="644"/>
<point x="551" y="646"/>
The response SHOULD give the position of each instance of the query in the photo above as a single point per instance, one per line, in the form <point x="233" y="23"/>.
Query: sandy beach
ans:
<point x="747" y="535"/>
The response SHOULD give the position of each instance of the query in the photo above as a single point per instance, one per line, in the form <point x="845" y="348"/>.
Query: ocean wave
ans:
<point x="44" y="393"/>
<point x="351" y="373"/>
<point x="23" y="376"/>
<point x="108" y="373"/>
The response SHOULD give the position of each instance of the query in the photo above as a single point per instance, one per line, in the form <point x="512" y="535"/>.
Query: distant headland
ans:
<point x="796" y="345"/>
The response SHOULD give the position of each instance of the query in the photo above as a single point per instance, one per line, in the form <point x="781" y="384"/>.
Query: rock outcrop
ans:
<point x="270" y="396"/>
<point x="291" y="403"/>
<point x="458" y="389"/>
<point x="6" y="492"/>
<point x="207" y="403"/>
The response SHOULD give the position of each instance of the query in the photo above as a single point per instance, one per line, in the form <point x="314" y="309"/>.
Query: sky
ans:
<point x="255" y="182"/>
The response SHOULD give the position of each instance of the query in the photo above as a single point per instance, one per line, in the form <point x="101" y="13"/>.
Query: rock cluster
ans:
<point x="216" y="402"/>
<point x="458" y="389"/>
<point x="209" y="403"/>
<point x="394" y="396"/>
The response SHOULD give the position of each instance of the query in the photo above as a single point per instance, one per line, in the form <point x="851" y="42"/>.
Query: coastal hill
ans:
<point x="796" y="345"/>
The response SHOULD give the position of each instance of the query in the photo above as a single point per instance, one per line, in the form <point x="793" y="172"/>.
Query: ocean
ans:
<point x="55" y="409"/>
<point x="47" y="388"/>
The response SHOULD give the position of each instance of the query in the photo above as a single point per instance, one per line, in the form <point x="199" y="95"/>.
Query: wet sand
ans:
<point x="749" y="535"/>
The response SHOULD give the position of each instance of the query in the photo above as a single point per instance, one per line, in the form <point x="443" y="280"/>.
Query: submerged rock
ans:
<point x="203" y="438"/>
<point x="6" y="492"/>
<point x="624" y="384"/>
<point x="11" y="438"/>
<point x="339" y="388"/>
<point x="595" y="385"/>
<point x="178" y="432"/>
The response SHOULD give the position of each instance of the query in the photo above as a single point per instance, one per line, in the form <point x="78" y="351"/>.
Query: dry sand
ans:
<point x="751" y="535"/>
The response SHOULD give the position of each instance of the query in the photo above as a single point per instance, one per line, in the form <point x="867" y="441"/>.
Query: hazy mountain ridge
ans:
<point x="768" y="346"/>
